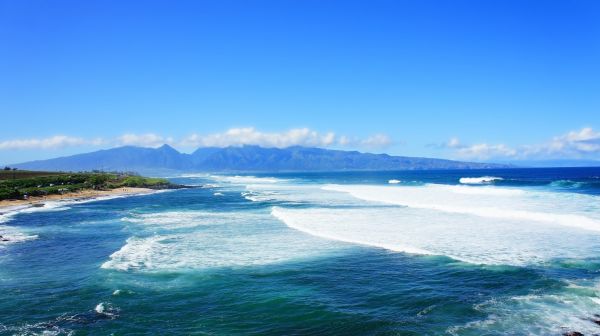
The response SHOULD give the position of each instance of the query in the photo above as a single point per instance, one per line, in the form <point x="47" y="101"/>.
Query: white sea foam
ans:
<point x="263" y="195"/>
<point x="483" y="224"/>
<point x="498" y="203"/>
<point x="99" y="308"/>
<point x="271" y="189"/>
<point x="9" y="213"/>
<point x="171" y="220"/>
<point x="11" y="234"/>
<point x="194" y="175"/>
<point x="478" y="224"/>
<point x="60" y="325"/>
<point x="325" y="223"/>
<point x="536" y="314"/>
<point x="107" y="310"/>
<point x="463" y="237"/>
<point x="480" y="191"/>
<point x="296" y="194"/>
<point x="255" y="197"/>
<point x="479" y="180"/>
<point x="394" y="181"/>
<point x="202" y="239"/>
<point x="487" y="225"/>
<point x="246" y="179"/>
<point x="204" y="250"/>
<point x="168" y="220"/>
<point x="45" y="328"/>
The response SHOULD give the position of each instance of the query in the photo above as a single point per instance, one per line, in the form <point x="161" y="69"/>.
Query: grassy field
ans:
<point x="19" y="174"/>
<point x="21" y="184"/>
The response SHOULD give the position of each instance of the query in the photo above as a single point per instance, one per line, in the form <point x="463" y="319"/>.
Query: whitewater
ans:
<point x="438" y="253"/>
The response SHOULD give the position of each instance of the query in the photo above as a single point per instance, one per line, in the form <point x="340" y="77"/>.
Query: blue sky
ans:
<point x="478" y="80"/>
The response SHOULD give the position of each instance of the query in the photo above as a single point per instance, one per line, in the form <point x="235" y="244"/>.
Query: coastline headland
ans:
<point x="31" y="188"/>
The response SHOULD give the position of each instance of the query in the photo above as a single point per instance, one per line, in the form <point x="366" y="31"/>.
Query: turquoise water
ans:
<point x="373" y="253"/>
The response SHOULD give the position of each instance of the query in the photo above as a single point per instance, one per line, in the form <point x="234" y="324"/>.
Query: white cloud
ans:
<point x="344" y="140"/>
<point x="251" y="136"/>
<point x="586" y="140"/>
<point x="231" y="137"/>
<point x="293" y="137"/>
<point x="376" y="141"/>
<point x="583" y="143"/>
<point x="144" y="140"/>
<point x="57" y="141"/>
<point x="453" y="143"/>
<point x="485" y="151"/>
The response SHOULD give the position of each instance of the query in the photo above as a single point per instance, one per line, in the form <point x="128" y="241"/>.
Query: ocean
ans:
<point x="488" y="252"/>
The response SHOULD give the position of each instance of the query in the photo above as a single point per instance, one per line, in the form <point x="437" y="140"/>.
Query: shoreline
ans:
<point x="11" y="205"/>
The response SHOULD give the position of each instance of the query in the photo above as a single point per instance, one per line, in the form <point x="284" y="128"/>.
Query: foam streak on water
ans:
<point x="16" y="235"/>
<point x="337" y="225"/>
<point x="478" y="225"/>
<point x="479" y="180"/>
<point x="488" y="202"/>
<point x="465" y="238"/>
<point x="188" y="240"/>
<point x="311" y="253"/>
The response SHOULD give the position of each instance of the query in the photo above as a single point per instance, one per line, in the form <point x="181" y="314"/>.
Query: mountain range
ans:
<point x="245" y="158"/>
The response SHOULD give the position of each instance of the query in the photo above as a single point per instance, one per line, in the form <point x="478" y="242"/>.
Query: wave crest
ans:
<point x="479" y="180"/>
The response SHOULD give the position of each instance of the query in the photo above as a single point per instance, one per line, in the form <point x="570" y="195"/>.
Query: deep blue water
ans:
<point x="341" y="253"/>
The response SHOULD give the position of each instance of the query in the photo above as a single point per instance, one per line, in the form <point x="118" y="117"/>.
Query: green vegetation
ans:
<point x="12" y="173"/>
<point x="20" y="184"/>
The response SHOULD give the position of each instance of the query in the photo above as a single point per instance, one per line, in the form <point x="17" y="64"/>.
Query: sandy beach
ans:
<point x="84" y="194"/>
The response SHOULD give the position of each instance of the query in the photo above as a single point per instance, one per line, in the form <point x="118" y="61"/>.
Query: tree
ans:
<point x="7" y="168"/>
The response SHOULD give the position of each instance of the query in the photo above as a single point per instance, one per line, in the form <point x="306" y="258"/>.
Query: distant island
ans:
<point x="245" y="158"/>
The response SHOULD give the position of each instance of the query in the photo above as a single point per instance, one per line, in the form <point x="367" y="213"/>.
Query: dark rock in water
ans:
<point x="38" y="205"/>
<point x="573" y="333"/>
<point x="4" y="239"/>
<point x="46" y="325"/>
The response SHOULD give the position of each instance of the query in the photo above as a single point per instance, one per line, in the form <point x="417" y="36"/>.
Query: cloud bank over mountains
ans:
<point x="232" y="137"/>
<point x="583" y="143"/>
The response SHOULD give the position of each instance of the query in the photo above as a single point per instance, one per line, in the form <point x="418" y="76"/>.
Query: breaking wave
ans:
<point x="464" y="238"/>
<point x="498" y="203"/>
<point x="574" y="308"/>
<point x="480" y="225"/>
<point x="180" y="240"/>
<point x="479" y="180"/>
<point x="11" y="234"/>
<point x="245" y="179"/>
